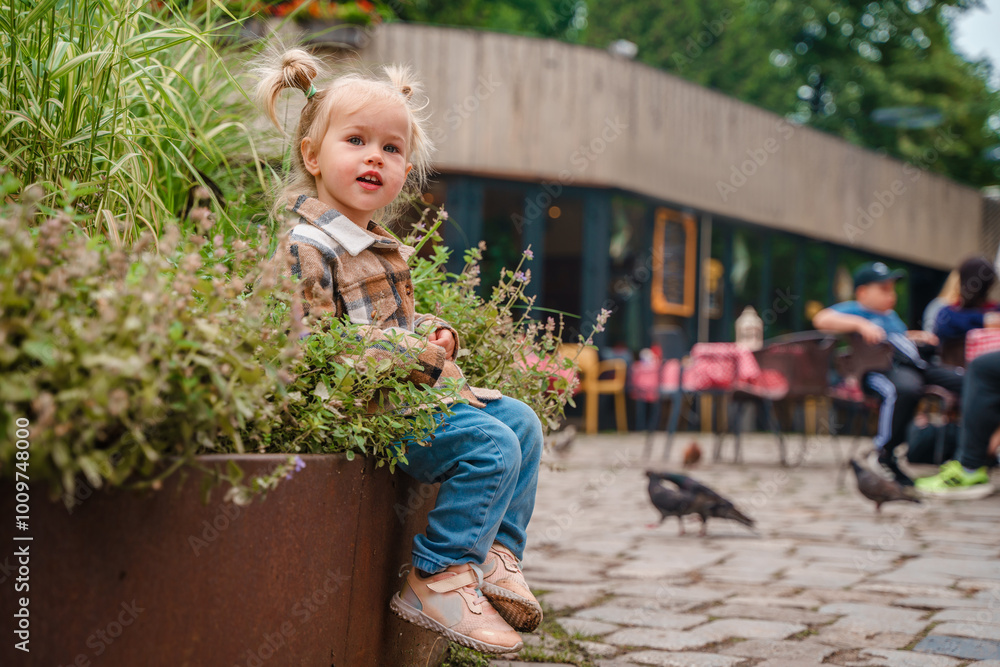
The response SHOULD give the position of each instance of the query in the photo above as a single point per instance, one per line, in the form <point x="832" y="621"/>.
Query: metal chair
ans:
<point x="803" y="359"/>
<point x="673" y="345"/>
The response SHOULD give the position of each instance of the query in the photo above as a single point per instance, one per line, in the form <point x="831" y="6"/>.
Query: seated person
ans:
<point x="979" y="438"/>
<point x="976" y="277"/>
<point x="900" y="387"/>
<point x="947" y="297"/>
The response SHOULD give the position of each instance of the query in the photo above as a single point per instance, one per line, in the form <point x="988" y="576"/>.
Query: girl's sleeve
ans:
<point x="317" y="287"/>
<point x="429" y="323"/>
<point x="403" y="347"/>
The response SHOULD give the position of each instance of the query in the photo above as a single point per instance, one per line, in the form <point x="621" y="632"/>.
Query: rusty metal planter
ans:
<point x="302" y="578"/>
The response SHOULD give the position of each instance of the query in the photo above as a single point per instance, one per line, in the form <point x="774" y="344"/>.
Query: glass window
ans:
<point x="563" y="259"/>
<point x="629" y="273"/>
<point x="746" y="269"/>
<point x="779" y="307"/>
<point x="817" y="280"/>
<point x="502" y="236"/>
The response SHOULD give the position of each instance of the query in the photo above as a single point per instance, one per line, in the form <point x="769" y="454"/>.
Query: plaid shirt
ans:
<point x="345" y="270"/>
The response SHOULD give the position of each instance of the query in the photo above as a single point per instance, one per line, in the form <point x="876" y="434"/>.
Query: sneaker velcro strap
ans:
<point x="454" y="583"/>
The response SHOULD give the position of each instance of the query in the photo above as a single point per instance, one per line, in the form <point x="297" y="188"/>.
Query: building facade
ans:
<point x="661" y="200"/>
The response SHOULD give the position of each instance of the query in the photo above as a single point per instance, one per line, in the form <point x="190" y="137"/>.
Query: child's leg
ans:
<point x="900" y="390"/>
<point x="523" y="421"/>
<point x="477" y="460"/>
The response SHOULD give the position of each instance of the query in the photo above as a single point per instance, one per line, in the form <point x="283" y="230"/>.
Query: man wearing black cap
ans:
<point x="900" y="388"/>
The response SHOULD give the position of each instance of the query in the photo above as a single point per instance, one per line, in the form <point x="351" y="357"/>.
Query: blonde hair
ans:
<point x="951" y="292"/>
<point x="351" y="90"/>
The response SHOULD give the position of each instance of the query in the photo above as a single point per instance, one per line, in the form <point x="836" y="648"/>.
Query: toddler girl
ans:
<point x="360" y="142"/>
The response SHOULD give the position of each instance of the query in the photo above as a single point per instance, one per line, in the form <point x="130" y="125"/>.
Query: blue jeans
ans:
<point x="487" y="463"/>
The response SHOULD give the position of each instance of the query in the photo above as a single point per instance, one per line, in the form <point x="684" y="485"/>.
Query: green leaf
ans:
<point x="42" y="351"/>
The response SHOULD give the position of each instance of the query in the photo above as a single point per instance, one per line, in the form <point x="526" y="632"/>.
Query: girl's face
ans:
<point x="360" y="166"/>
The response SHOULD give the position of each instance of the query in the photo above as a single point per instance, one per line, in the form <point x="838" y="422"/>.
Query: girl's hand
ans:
<point x="445" y="339"/>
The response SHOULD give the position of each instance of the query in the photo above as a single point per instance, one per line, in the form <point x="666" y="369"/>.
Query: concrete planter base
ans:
<point x="160" y="579"/>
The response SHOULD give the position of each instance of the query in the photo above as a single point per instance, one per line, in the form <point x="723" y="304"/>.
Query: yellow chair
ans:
<point x="592" y="385"/>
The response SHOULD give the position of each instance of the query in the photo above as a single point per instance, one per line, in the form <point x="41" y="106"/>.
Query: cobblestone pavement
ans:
<point x="824" y="580"/>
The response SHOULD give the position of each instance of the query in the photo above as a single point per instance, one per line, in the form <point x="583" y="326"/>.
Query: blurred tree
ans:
<point x="837" y="65"/>
<point x="559" y="19"/>
<point x="830" y="64"/>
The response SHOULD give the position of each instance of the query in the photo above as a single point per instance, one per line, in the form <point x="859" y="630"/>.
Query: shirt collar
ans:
<point x="343" y="230"/>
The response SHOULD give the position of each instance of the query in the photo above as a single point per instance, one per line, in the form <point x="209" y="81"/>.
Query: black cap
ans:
<point x="875" y="272"/>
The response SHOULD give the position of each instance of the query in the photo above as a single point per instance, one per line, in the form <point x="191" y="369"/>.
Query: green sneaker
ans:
<point x="954" y="482"/>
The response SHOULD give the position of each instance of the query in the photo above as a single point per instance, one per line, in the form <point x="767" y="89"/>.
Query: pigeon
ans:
<point x="879" y="490"/>
<point x="692" y="454"/>
<point x="706" y="502"/>
<point x="668" y="501"/>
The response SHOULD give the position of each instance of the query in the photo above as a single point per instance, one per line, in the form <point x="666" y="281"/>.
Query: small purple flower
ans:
<point x="299" y="465"/>
<point x="520" y="277"/>
<point x="528" y="254"/>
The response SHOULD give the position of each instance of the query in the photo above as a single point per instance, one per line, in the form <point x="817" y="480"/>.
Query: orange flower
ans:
<point x="365" y="6"/>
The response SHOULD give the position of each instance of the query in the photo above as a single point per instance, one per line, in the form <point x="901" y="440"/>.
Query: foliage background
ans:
<point x="825" y="63"/>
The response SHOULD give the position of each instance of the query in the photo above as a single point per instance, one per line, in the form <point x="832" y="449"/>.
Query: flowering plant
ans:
<point x="361" y="12"/>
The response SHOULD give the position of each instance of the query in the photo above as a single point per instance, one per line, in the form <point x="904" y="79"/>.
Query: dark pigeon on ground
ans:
<point x="878" y="489"/>
<point x="706" y="503"/>
<point x="669" y="502"/>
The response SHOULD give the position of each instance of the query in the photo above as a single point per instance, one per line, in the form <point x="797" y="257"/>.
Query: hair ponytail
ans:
<point x="295" y="68"/>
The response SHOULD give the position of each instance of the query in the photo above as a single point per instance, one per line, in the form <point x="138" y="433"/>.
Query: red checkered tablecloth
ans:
<point x="731" y="367"/>
<point x="981" y="341"/>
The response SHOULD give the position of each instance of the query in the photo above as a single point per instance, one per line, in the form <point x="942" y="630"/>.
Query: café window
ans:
<point x="674" y="263"/>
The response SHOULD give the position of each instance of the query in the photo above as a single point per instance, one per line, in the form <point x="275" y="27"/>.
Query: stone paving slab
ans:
<point x="874" y="657"/>
<point x="823" y="580"/>
<point x="644" y="616"/>
<point x="981" y="616"/>
<point x="745" y="628"/>
<point x="959" y="647"/>
<point x="974" y="630"/>
<point x="876" y="618"/>
<point x="769" y="613"/>
<point x="805" y="652"/>
<point x="670" y="640"/>
<point x="681" y="659"/>
<point x="587" y="628"/>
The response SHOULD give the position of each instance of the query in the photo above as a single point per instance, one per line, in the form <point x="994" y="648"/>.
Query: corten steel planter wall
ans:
<point x="161" y="579"/>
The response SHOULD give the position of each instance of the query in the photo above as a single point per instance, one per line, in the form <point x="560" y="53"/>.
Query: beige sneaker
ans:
<point x="504" y="585"/>
<point x="450" y="604"/>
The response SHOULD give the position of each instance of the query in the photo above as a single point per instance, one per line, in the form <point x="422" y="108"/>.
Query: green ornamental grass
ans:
<point x="121" y="109"/>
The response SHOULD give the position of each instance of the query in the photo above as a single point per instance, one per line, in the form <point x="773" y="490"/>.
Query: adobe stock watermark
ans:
<point x="883" y="200"/>
<point x="102" y="638"/>
<point x="459" y="112"/>
<point x="757" y="157"/>
<point x="579" y="161"/>
<point x="303" y="610"/>
<point x="595" y="488"/>
<point x="226" y="513"/>
<point x="416" y="498"/>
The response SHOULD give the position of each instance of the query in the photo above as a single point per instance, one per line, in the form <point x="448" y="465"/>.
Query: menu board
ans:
<point x="674" y="263"/>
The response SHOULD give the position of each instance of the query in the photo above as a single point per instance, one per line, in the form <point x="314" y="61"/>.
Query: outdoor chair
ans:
<point x="853" y="364"/>
<point x="596" y="378"/>
<point x="953" y="352"/>
<point x="652" y="383"/>
<point x="803" y="360"/>
<point x="730" y="371"/>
